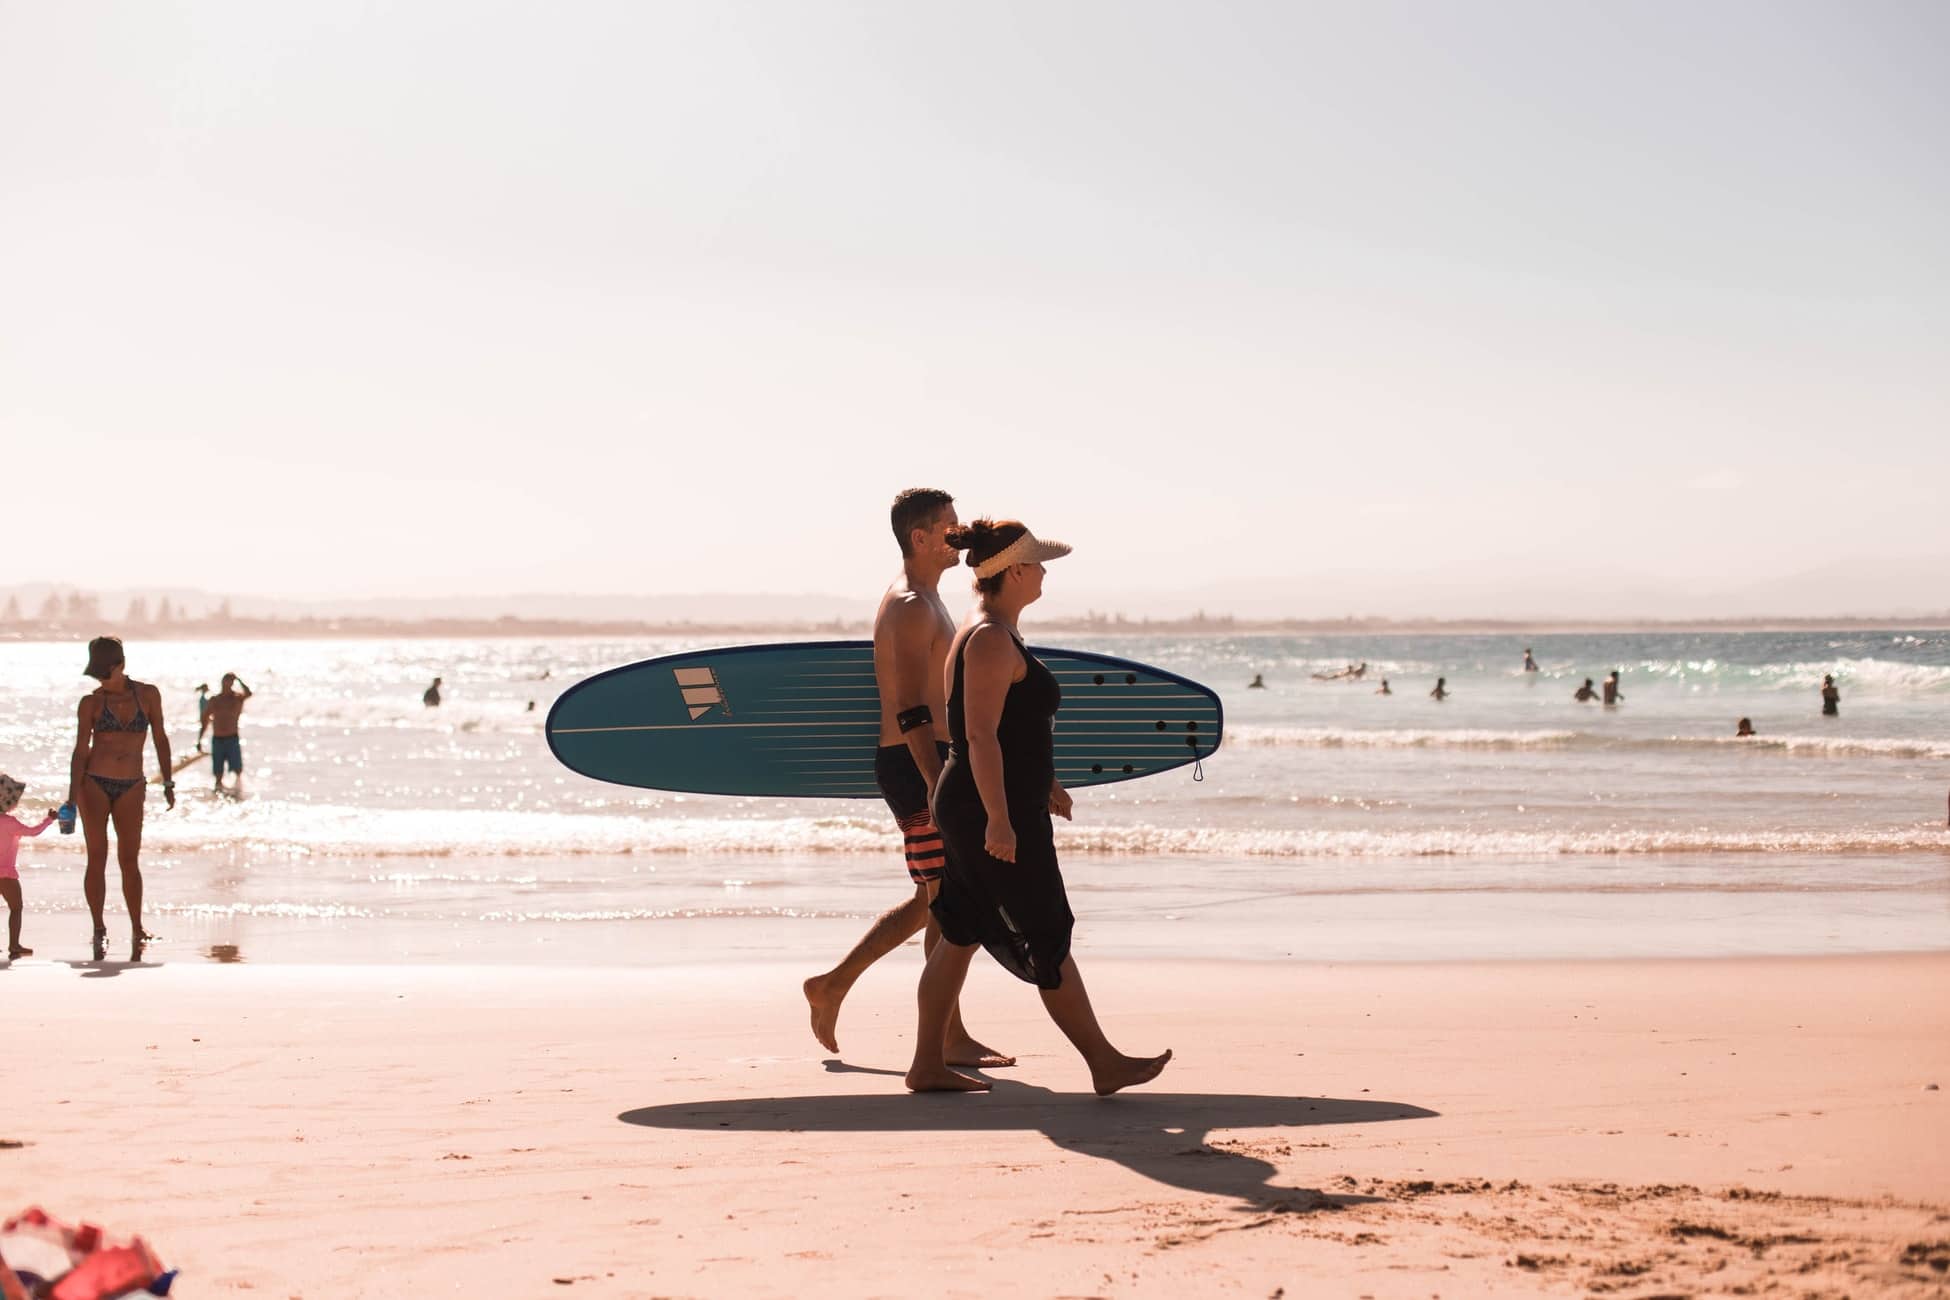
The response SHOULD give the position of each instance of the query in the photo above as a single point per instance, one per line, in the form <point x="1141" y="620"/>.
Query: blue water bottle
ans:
<point x="65" y="813"/>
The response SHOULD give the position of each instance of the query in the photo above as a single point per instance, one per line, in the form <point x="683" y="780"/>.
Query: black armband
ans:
<point x="918" y="716"/>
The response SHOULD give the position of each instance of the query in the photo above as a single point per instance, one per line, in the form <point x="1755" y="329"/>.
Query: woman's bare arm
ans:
<point x="83" y="741"/>
<point x="153" y="707"/>
<point x="990" y="665"/>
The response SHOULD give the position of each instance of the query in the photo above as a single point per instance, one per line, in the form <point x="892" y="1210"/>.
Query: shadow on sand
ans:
<point x="1161" y="1135"/>
<point x="107" y="969"/>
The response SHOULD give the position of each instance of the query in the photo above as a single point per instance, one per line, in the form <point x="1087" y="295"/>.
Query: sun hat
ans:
<point x="1026" y="549"/>
<point x="10" y="792"/>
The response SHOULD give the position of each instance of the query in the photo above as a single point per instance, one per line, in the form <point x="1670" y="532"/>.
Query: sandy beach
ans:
<point x="1621" y="1128"/>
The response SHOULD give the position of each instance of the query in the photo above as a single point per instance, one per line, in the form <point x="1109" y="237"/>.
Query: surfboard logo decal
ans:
<point x="701" y="691"/>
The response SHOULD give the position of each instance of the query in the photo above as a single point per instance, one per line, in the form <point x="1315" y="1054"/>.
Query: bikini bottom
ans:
<point x="115" y="787"/>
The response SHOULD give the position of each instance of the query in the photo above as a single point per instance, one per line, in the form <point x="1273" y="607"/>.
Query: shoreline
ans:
<point x="1353" y="929"/>
<point x="1387" y="1130"/>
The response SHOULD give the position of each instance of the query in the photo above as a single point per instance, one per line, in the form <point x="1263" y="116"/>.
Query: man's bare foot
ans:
<point x="966" y="1051"/>
<point x="1127" y="1072"/>
<point x="825" y="1005"/>
<point x="921" y="1079"/>
<point x="16" y="952"/>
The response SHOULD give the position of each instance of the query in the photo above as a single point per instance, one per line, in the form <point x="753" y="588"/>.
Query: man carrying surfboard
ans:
<point x="912" y="631"/>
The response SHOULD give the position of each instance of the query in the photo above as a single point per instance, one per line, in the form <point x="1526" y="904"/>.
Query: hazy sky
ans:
<point x="1387" y="308"/>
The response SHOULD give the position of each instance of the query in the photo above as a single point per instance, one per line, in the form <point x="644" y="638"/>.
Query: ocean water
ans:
<point x="1335" y="823"/>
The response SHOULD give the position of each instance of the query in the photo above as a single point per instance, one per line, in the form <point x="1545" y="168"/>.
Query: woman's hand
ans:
<point x="169" y="794"/>
<point x="1000" y="841"/>
<point x="1060" y="802"/>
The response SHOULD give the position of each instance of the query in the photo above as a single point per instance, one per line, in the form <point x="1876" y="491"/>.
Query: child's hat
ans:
<point x="10" y="792"/>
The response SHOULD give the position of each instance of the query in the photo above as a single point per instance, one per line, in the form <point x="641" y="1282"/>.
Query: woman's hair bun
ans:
<point x="984" y="537"/>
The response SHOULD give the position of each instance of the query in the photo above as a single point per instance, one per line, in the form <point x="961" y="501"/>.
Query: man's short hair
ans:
<point x="916" y="508"/>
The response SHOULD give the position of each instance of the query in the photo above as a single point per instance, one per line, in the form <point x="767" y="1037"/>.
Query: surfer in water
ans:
<point x="220" y="719"/>
<point x="106" y="784"/>
<point x="911" y="633"/>
<point x="1002" y="887"/>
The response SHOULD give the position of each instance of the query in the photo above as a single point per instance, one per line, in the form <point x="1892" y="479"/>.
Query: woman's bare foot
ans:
<point x="15" y="952"/>
<point x="825" y="1005"/>
<point x="1127" y="1072"/>
<point x="966" y="1051"/>
<point x="100" y="944"/>
<point x="920" y="1079"/>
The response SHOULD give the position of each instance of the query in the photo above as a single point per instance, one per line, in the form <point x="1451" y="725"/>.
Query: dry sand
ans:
<point x="1620" y="1128"/>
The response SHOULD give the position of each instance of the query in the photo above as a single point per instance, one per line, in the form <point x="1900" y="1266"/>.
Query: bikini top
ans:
<point x="105" y="720"/>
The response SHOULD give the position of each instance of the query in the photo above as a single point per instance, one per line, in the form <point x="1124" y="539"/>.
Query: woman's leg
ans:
<point x="94" y="834"/>
<point x="10" y="891"/>
<point x="941" y="981"/>
<point x="1110" y="1070"/>
<point x="127" y="815"/>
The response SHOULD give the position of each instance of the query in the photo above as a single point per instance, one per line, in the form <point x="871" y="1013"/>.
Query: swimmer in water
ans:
<point x="1586" y="693"/>
<point x="1746" y="727"/>
<point x="1441" y="691"/>
<point x="1384" y="688"/>
<point x="1258" y="683"/>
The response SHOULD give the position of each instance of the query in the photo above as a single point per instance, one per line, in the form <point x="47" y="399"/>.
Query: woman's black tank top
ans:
<point x="1023" y="731"/>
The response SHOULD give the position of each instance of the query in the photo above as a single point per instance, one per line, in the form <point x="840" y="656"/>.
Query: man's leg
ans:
<point x="941" y="981"/>
<point x="824" y="993"/>
<point x="1069" y="1006"/>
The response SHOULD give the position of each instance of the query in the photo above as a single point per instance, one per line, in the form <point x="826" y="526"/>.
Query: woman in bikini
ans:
<point x="106" y="782"/>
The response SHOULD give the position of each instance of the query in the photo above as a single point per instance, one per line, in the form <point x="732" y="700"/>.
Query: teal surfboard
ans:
<point x="803" y="719"/>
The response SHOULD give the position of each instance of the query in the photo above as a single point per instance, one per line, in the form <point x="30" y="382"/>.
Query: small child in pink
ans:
<point x="12" y="831"/>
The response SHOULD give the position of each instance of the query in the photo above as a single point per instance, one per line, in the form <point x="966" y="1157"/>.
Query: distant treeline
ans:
<point x="80" y="618"/>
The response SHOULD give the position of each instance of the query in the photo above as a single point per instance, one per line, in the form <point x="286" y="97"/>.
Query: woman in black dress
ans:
<point x="1001" y="887"/>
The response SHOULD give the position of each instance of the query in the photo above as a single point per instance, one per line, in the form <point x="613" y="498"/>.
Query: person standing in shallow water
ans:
<point x="1441" y="691"/>
<point x="1612" y="694"/>
<point x="1831" y="697"/>
<point x="1529" y="664"/>
<point x="221" y="718"/>
<point x="1001" y="887"/>
<point x="431" y="696"/>
<point x="911" y="633"/>
<point x="106" y="784"/>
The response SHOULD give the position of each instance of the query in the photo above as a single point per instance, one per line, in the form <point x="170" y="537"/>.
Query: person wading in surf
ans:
<point x="911" y="633"/>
